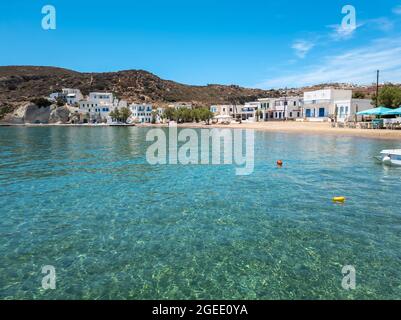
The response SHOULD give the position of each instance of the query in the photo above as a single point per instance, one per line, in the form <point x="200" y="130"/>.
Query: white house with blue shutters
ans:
<point x="336" y="104"/>
<point x="141" y="113"/>
<point x="99" y="105"/>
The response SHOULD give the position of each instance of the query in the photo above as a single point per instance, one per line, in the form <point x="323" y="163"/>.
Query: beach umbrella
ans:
<point x="393" y="112"/>
<point x="379" y="111"/>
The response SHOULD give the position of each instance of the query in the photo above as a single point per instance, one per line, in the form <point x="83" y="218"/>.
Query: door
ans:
<point x="321" y="112"/>
<point x="307" y="113"/>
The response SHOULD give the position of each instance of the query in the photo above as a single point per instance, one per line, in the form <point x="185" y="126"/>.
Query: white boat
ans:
<point x="390" y="157"/>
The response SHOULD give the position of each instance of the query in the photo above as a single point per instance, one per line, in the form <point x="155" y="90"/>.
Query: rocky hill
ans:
<point x="19" y="84"/>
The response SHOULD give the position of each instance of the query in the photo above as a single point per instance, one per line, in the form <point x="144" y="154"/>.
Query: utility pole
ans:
<point x="285" y="104"/>
<point x="377" y="89"/>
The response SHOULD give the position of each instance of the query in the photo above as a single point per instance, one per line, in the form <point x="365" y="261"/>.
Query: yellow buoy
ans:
<point x="339" y="199"/>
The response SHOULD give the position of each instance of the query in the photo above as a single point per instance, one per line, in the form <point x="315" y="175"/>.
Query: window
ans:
<point x="290" y="114"/>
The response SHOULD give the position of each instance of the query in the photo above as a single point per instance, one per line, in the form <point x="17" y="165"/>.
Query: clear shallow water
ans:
<point x="85" y="201"/>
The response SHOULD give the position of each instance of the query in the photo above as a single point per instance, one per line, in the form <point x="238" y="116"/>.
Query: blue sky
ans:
<point x="252" y="43"/>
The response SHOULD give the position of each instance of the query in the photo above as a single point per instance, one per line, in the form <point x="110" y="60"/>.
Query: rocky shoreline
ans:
<point x="29" y="113"/>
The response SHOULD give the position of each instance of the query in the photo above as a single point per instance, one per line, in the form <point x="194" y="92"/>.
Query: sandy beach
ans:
<point x="298" y="128"/>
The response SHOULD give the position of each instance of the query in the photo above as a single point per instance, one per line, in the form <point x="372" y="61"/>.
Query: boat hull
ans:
<point x="390" y="157"/>
<point x="387" y="161"/>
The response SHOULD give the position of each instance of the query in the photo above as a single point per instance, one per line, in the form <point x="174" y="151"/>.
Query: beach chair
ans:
<point x="377" y="124"/>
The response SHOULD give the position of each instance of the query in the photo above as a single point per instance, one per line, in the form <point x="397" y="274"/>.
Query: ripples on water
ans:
<point x="86" y="201"/>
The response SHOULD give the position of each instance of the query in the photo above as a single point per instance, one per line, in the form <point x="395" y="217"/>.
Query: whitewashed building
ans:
<point x="159" y="115"/>
<point x="336" y="104"/>
<point x="223" y="110"/>
<point x="99" y="105"/>
<point x="141" y="113"/>
<point x="70" y="96"/>
<point x="346" y="110"/>
<point x="249" y="111"/>
<point x="284" y="108"/>
<point x="266" y="109"/>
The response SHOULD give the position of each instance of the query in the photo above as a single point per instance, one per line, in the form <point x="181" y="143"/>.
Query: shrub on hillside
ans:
<point x="4" y="109"/>
<point x="60" y="102"/>
<point x="41" y="102"/>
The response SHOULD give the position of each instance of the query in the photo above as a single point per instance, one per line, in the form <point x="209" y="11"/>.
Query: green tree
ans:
<point x="206" y="115"/>
<point x="124" y="114"/>
<point x="115" y="115"/>
<point x="196" y="115"/>
<point x="374" y="98"/>
<point x="169" y="113"/>
<point x="187" y="115"/>
<point x="358" y="95"/>
<point x="390" y="96"/>
<point x="154" y="115"/>
<point x="178" y="115"/>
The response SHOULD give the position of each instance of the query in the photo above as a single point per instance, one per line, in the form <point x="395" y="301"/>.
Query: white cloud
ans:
<point x="302" y="47"/>
<point x="397" y="9"/>
<point x="341" y="32"/>
<point x="345" y="32"/>
<point x="354" y="66"/>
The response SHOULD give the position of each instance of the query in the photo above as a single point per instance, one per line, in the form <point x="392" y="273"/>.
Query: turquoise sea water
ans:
<point x="85" y="201"/>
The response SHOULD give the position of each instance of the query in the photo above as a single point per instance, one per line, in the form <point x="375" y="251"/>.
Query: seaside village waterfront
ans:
<point x="339" y="107"/>
<point x="320" y="105"/>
